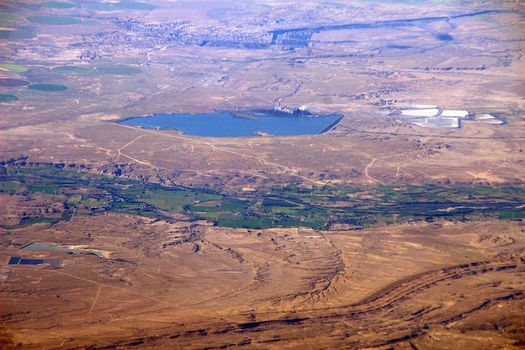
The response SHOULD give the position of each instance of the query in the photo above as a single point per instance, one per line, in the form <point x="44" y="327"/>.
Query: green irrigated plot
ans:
<point x="73" y="69"/>
<point x="131" y="193"/>
<point x="58" y="5"/>
<point x="212" y="216"/>
<point x="496" y="192"/>
<point x="32" y="221"/>
<point x="285" y="210"/>
<point x="206" y="211"/>
<point x="385" y="219"/>
<point x="9" y="15"/>
<point x="53" y="20"/>
<point x="8" y="186"/>
<point x="270" y="202"/>
<point x="43" y="188"/>
<point x="125" y="207"/>
<point x="149" y="213"/>
<point x="7" y="24"/>
<point x="298" y="222"/>
<point x="13" y="67"/>
<point x="92" y="202"/>
<point x="232" y="205"/>
<point x="287" y="222"/>
<point x="203" y="208"/>
<point x="75" y="199"/>
<point x="175" y="200"/>
<point x="48" y="87"/>
<point x="242" y="221"/>
<point x="8" y="98"/>
<point x="512" y="214"/>
<point x="265" y="208"/>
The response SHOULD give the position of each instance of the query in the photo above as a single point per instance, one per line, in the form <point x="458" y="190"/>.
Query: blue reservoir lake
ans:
<point x="234" y="124"/>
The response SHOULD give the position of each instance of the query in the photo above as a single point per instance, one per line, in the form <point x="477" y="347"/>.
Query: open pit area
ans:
<point x="399" y="225"/>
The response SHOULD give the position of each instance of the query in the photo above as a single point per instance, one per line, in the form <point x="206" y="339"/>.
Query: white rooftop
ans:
<point x="437" y="122"/>
<point x="485" y="116"/>
<point x="454" y="113"/>
<point x="431" y="116"/>
<point x="426" y="112"/>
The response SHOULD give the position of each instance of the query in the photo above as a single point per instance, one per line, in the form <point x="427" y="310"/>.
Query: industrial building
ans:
<point x="430" y="116"/>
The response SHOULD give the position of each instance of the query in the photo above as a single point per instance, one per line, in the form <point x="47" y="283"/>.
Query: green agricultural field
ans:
<point x="72" y="69"/>
<point x="8" y="16"/>
<point x="31" y="221"/>
<point x="9" y="20"/>
<point x="8" y="98"/>
<point x="512" y="214"/>
<point x="175" y="200"/>
<point x="232" y="205"/>
<point x="7" y="24"/>
<point x="8" y="186"/>
<point x="237" y="221"/>
<point x="75" y="199"/>
<point x="43" y="188"/>
<point x="284" y="210"/>
<point x="92" y="203"/>
<point x="272" y="207"/>
<point x="47" y="87"/>
<point x="13" y="67"/>
<point x="58" y="5"/>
